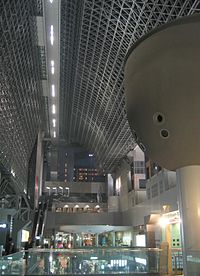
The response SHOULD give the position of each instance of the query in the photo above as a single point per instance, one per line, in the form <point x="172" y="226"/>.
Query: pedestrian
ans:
<point x="27" y="246"/>
<point x="9" y="247"/>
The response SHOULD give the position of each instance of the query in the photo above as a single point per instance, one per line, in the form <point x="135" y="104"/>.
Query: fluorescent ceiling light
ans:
<point x="54" y="122"/>
<point x="13" y="172"/>
<point x="51" y="35"/>
<point x="53" y="93"/>
<point x="93" y="258"/>
<point x="52" y="67"/>
<point x="53" y="109"/>
<point x="51" y="1"/>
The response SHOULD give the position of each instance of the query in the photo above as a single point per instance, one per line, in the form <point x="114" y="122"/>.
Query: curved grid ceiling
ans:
<point x="20" y="89"/>
<point x="95" y="37"/>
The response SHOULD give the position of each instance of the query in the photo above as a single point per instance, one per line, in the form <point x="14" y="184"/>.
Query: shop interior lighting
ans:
<point x="53" y="109"/>
<point x="51" y="35"/>
<point x="163" y="221"/>
<point x="141" y="261"/>
<point x="54" y="134"/>
<point x="53" y="93"/>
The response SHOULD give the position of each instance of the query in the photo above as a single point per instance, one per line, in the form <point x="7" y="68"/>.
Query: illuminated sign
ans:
<point x="25" y="235"/>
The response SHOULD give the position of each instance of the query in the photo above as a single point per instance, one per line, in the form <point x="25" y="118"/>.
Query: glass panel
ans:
<point x="93" y="261"/>
<point x="12" y="264"/>
<point x="84" y="261"/>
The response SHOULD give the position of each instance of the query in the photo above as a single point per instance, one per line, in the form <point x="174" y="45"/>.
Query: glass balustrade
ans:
<point x="12" y="264"/>
<point x="93" y="261"/>
<point x="90" y="261"/>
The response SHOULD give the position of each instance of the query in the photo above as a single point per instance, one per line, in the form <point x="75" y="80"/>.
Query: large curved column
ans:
<point x="162" y="89"/>
<point x="188" y="183"/>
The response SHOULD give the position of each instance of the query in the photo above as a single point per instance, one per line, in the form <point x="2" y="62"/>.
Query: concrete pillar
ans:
<point x="188" y="182"/>
<point x="97" y="240"/>
<point x="168" y="240"/>
<point x="113" y="238"/>
<point x="162" y="80"/>
<point x="73" y="240"/>
<point x="70" y="165"/>
<point x="150" y="236"/>
<point x="110" y="185"/>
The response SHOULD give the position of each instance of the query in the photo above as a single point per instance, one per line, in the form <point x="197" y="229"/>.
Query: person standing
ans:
<point x="9" y="247"/>
<point x="27" y="246"/>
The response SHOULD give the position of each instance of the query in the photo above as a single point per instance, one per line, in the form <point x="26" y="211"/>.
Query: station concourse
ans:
<point x="99" y="148"/>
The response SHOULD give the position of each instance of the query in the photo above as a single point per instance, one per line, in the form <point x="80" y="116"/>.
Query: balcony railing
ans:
<point x="84" y="262"/>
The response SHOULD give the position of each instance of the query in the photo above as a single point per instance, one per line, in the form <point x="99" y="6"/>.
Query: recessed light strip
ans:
<point x="51" y="35"/>
<point x="53" y="92"/>
<point x="53" y="108"/>
<point x="52" y="20"/>
<point x="54" y="122"/>
<point x="52" y="67"/>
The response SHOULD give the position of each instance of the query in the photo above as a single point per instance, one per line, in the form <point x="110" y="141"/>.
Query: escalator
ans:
<point x="40" y="219"/>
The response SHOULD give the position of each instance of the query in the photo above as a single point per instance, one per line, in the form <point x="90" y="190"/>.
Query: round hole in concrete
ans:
<point x="164" y="133"/>
<point x="158" y="118"/>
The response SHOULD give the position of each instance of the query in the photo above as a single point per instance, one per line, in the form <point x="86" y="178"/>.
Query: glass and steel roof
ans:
<point x="95" y="37"/>
<point x="20" y="86"/>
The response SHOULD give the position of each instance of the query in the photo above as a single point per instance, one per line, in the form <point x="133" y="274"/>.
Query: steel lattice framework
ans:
<point x="20" y="90"/>
<point x="95" y="37"/>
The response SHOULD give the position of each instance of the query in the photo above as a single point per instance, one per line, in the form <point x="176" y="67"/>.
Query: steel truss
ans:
<point x="20" y="88"/>
<point x="95" y="37"/>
